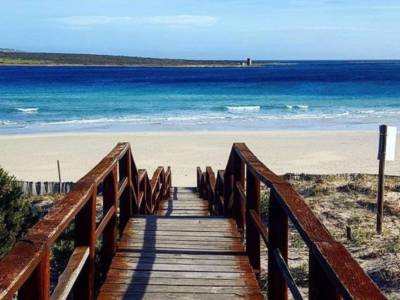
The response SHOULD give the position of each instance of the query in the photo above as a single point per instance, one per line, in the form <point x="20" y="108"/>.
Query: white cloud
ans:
<point x="90" y="20"/>
<point x="172" y="21"/>
<point x="316" y="28"/>
<point x="180" y="20"/>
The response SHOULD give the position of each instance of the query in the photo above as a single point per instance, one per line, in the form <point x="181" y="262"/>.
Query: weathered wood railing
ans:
<point x="333" y="273"/>
<point x="125" y="191"/>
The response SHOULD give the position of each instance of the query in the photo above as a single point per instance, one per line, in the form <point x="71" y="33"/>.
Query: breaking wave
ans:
<point x="243" y="108"/>
<point x="28" y="110"/>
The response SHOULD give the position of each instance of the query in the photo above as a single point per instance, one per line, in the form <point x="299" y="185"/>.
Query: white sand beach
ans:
<point x="34" y="157"/>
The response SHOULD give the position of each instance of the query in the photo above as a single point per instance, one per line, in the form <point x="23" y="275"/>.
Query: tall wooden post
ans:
<point x="238" y="175"/>
<point x="381" y="176"/>
<point x="38" y="284"/>
<point x="125" y="203"/>
<point x="278" y="239"/>
<point x="110" y="191"/>
<point x="59" y="176"/>
<point x="85" y="235"/>
<point x="228" y="188"/>
<point x="252" y="235"/>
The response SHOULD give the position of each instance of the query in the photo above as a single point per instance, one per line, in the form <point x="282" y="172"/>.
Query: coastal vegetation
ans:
<point x="31" y="58"/>
<point x="15" y="212"/>
<point x="349" y="201"/>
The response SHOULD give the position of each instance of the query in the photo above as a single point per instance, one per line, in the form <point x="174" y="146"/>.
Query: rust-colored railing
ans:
<point x="333" y="273"/>
<point x="25" y="271"/>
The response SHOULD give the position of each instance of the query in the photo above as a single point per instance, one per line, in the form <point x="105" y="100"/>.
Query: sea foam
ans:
<point x="28" y="110"/>
<point x="242" y="108"/>
<point x="296" y="106"/>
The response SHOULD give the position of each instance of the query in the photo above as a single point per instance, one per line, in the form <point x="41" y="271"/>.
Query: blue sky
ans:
<point x="206" y="29"/>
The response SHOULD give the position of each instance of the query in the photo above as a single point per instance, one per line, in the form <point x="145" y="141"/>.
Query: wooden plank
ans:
<point x="180" y="238"/>
<point x="204" y="256"/>
<point x="126" y="278"/>
<point x="162" y="225"/>
<point x="133" y="289"/>
<point x="183" y="207"/>
<point x="177" y="203"/>
<point x="183" y="212"/>
<point x="180" y="261"/>
<point x="193" y="246"/>
<point x="104" y="222"/>
<point x="124" y="264"/>
<point x="67" y="279"/>
<point x="166" y="242"/>
<point x="219" y="234"/>
<point x="185" y="229"/>
<point x="189" y="220"/>
<point x="121" y="186"/>
<point x="166" y="208"/>
<point x="180" y="296"/>
<point x="199" y="225"/>
<point x="179" y="274"/>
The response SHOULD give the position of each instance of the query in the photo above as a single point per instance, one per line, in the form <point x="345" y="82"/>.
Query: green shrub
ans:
<point x="15" y="212"/>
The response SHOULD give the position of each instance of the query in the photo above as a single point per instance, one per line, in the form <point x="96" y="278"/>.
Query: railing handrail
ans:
<point x="22" y="262"/>
<point x="340" y="272"/>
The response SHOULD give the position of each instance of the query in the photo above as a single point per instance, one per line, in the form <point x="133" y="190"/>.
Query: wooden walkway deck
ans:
<point x="180" y="254"/>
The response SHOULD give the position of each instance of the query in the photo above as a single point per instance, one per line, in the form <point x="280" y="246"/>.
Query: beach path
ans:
<point x="182" y="253"/>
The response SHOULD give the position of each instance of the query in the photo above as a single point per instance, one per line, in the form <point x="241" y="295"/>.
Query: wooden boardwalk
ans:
<point x="180" y="254"/>
<point x="159" y="242"/>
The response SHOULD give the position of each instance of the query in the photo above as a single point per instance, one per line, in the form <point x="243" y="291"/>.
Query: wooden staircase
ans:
<point x="152" y="241"/>
<point x="182" y="253"/>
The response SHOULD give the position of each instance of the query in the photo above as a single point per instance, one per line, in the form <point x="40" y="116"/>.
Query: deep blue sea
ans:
<point x="282" y="95"/>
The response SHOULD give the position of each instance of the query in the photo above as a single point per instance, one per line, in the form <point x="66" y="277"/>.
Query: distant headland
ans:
<point x="19" y="58"/>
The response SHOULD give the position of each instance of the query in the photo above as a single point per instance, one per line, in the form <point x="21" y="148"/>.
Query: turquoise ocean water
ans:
<point x="282" y="95"/>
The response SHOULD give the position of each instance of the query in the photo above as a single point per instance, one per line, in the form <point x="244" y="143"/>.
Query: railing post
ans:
<point x="228" y="188"/>
<point x="278" y="239"/>
<point x="135" y="186"/>
<point x="125" y="202"/>
<point x="252" y="235"/>
<point x="319" y="285"/>
<point x="169" y="182"/>
<point x="238" y="175"/>
<point x="203" y="185"/>
<point x="146" y="204"/>
<point x="149" y="195"/>
<point x="38" y="284"/>
<point x="110" y="192"/>
<point x="85" y="231"/>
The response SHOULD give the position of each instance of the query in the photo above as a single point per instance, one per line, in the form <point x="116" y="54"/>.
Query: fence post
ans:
<point x="169" y="182"/>
<point x="228" y="186"/>
<point x="278" y="239"/>
<point x="252" y="235"/>
<point x="85" y="231"/>
<point x="381" y="177"/>
<point x="238" y="175"/>
<point x="38" y="284"/>
<point x="110" y="191"/>
<point x="319" y="285"/>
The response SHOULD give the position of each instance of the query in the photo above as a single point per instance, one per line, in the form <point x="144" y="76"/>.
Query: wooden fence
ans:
<point x="235" y="192"/>
<point x="126" y="191"/>
<point x="44" y="187"/>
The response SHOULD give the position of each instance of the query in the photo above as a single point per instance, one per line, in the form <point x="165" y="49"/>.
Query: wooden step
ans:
<point x="181" y="253"/>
